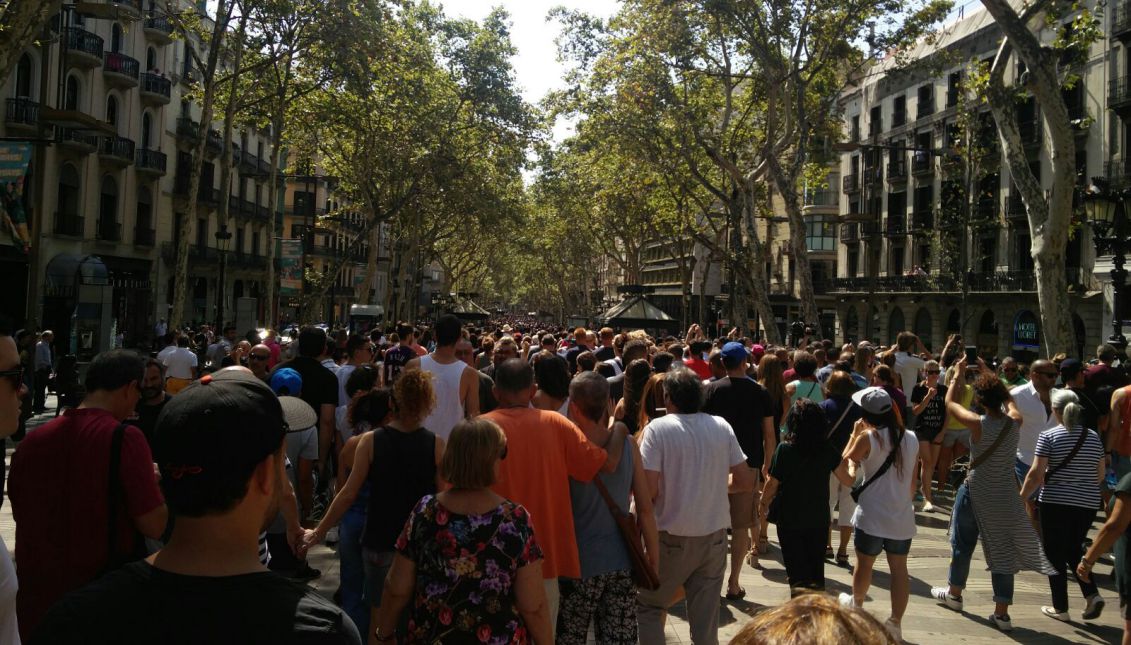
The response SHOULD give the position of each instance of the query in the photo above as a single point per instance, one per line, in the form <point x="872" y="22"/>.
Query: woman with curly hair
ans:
<point x="401" y="460"/>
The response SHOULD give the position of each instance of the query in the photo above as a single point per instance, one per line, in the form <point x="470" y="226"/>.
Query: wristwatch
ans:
<point x="383" y="639"/>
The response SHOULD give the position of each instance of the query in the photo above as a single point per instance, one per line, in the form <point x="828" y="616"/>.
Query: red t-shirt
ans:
<point x="58" y="486"/>
<point x="699" y="366"/>
<point x="544" y="450"/>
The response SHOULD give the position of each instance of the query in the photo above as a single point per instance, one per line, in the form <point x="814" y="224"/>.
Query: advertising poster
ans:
<point x="290" y="267"/>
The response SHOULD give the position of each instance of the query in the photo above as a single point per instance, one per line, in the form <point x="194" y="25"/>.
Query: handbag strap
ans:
<point x="614" y="508"/>
<point x="836" y="425"/>
<point x="1075" y="449"/>
<point x="993" y="446"/>
<point x="883" y="467"/>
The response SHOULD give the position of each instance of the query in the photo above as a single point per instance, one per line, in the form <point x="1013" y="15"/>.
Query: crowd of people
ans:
<point x="519" y="482"/>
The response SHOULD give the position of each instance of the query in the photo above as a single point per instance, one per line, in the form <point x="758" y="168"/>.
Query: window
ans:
<point x="856" y="127"/>
<point x="853" y="262"/>
<point x="146" y="126"/>
<point x="68" y="191"/>
<point x="144" y="220"/>
<point x="896" y="260"/>
<point x="151" y="60"/>
<point x="23" y="76"/>
<point x="820" y="233"/>
<point x="107" y="207"/>
<point x="875" y="121"/>
<point x="112" y="111"/>
<point x="953" y="84"/>
<point x="71" y="102"/>
<point x="255" y="243"/>
<point x="899" y="112"/>
<point x="201" y="232"/>
<point x="926" y="103"/>
<point x="239" y="241"/>
<point x="116" y="38"/>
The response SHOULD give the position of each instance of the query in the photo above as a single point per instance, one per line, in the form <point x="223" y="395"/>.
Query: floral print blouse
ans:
<point x="465" y="573"/>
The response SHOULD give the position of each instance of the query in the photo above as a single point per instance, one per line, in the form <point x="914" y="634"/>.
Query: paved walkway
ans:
<point x="925" y="621"/>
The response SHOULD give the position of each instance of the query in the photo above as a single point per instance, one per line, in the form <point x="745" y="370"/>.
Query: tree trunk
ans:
<point x="20" y="24"/>
<point x="180" y="271"/>
<point x="370" y="264"/>
<point x="272" y="226"/>
<point x="1048" y="219"/>
<point x="222" y="211"/>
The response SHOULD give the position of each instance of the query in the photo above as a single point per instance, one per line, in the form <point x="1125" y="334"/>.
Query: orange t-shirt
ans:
<point x="545" y="449"/>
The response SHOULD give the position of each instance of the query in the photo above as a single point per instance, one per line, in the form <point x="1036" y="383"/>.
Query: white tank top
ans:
<point x="885" y="509"/>
<point x="449" y="407"/>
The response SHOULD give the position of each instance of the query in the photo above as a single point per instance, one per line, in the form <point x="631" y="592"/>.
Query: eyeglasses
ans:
<point x="503" y="454"/>
<point x="257" y="357"/>
<point x="15" y="376"/>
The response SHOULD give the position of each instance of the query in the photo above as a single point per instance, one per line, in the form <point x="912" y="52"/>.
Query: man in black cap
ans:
<point x="220" y="448"/>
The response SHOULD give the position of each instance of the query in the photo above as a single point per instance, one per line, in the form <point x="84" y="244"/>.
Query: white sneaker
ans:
<point x="1051" y="612"/>
<point x="847" y="600"/>
<point x="895" y="630"/>
<point x="928" y="507"/>
<point x="1095" y="607"/>
<point x="1002" y="622"/>
<point x="942" y="594"/>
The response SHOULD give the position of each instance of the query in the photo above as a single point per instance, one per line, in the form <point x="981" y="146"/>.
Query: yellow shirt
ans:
<point x="963" y="398"/>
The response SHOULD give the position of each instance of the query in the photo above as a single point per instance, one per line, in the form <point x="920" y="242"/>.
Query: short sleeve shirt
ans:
<point x="745" y="405"/>
<point x="804" y="484"/>
<point x="319" y="385"/>
<point x="544" y="450"/>
<point x="180" y="362"/>
<point x="1073" y="484"/>
<point x="693" y="454"/>
<point x="394" y="361"/>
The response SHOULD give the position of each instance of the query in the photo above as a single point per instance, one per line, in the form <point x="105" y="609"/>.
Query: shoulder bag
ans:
<point x="1068" y="458"/>
<point x="114" y="559"/>
<point x="993" y="446"/>
<point x="642" y="573"/>
<point x="884" y="467"/>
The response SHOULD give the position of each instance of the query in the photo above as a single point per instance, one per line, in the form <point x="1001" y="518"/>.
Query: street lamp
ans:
<point x="1105" y="210"/>
<point x="223" y="238"/>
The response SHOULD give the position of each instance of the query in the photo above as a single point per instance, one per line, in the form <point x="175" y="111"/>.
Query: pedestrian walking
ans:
<point x="1116" y="531"/>
<point x="841" y="413"/>
<point x="467" y="559"/>
<point x="884" y="520"/>
<point x="1068" y="467"/>
<point x="981" y="510"/>
<point x="798" y="490"/>
<point x="928" y="407"/>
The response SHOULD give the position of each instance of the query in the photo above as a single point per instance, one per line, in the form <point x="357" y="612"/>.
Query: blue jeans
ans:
<point x="353" y="569"/>
<point x="963" y="539"/>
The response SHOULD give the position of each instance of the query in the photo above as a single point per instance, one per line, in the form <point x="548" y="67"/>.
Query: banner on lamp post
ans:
<point x="290" y="267"/>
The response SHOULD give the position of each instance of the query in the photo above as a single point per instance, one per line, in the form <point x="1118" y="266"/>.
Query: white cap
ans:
<point x="874" y="400"/>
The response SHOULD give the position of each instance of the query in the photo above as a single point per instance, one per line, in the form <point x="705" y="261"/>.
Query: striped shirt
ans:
<point x="1075" y="484"/>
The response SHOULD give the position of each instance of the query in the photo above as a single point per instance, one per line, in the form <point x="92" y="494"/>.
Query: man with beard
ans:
<point x="207" y="584"/>
<point x="152" y="401"/>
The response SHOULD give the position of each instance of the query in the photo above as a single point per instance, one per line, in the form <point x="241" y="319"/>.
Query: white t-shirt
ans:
<point x="343" y="375"/>
<point x="169" y="349"/>
<point x="180" y="363"/>
<point x="1034" y="420"/>
<point x="693" y="454"/>
<point x="886" y="509"/>
<point x="9" y="632"/>
<point x="908" y="366"/>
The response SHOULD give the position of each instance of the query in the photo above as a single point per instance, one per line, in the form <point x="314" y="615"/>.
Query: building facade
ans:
<point x="101" y="98"/>
<point x="915" y="253"/>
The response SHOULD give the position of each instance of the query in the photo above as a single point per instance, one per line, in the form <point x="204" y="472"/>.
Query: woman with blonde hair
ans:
<point x="812" y="618"/>
<point x="400" y="461"/>
<point x="467" y="558"/>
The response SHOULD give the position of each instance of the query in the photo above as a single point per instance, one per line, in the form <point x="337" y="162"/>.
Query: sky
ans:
<point x="536" y="65"/>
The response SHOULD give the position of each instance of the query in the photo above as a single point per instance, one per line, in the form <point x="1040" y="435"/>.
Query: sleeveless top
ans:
<point x="885" y="510"/>
<point x="1123" y="444"/>
<point x="806" y="390"/>
<point x="402" y="471"/>
<point x="449" y="407"/>
<point x="599" y="543"/>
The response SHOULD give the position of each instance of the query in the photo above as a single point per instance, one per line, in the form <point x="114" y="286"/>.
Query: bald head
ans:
<point x="1043" y="375"/>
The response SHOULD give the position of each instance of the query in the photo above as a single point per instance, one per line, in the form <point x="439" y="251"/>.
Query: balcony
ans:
<point x="189" y="76"/>
<point x="188" y="128"/>
<point x="821" y="199"/>
<point x="871" y="229"/>
<point x="116" y="150"/>
<point x="898" y="118"/>
<point x="109" y="231"/>
<point x="924" y="110"/>
<point x="1118" y="172"/>
<point x="84" y="49"/>
<point x="986" y="211"/>
<point x="1031" y="132"/>
<point x="1001" y="281"/>
<point x="248" y="162"/>
<point x="158" y="28"/>
<point x="263" y="213"/>
<point x="144" y="236"/>
<point x="851" y="183"/>
<point x="120" y="70"/>
<point x="922" y="221"/>
<point x="996" y="282"/>
<point x="66" y="224"/>
<point x="265" y="167"/>
<point x="922" y="163"/>
<point x="197" y="255"/>
<point x="77" y="141"/>
<point x="897" y="170"/>
<point x="247" y="261"/>
<point x="151" y="162"/>
<point x="873" y="176"/>
<point x="21" y="114"/>
<point x="1121" y="19"/>
<point x="215" y="143"/>
<point x="1015" y="208"/>
<point x="895" y="226"/>
<point x="155" y="90"/>
<point x="208" y="195"/>
<point x="1119" y="93"/>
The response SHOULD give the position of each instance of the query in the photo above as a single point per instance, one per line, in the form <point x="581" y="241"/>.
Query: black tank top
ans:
<point x="403" y="470"/>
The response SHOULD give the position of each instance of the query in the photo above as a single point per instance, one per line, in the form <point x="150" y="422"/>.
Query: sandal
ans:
<point x="763" y="544"/>
<point x="842" y="559"/>
<point x="828" y="553"/>
<point x="752" y="560"/>
<point x="736" y="595"/>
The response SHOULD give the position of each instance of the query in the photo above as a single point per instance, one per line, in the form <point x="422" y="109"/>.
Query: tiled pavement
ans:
<point x="924" y="622"/>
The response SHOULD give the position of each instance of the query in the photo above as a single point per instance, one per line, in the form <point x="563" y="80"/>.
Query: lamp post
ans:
<point x="1107" y="215"/>
<point x="223" y="238"/>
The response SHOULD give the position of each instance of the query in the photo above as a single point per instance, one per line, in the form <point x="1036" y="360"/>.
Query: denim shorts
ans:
<point x="872" y="545"/>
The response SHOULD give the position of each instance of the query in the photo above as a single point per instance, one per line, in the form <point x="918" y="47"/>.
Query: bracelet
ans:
<point x="383" y="639"/>
<point x="1084" y="561"/>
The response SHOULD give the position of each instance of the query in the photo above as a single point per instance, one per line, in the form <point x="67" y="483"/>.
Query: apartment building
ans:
<point x="914" y="253"/>
<point x="101" y="98"/>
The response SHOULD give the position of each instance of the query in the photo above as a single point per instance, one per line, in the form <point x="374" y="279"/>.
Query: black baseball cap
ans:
<point x="221" y="425"/>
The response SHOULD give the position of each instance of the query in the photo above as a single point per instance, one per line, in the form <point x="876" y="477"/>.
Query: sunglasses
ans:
<point x="15" y="376"/>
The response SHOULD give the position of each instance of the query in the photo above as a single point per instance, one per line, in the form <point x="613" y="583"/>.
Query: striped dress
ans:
<point x="1009" y="541"/>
